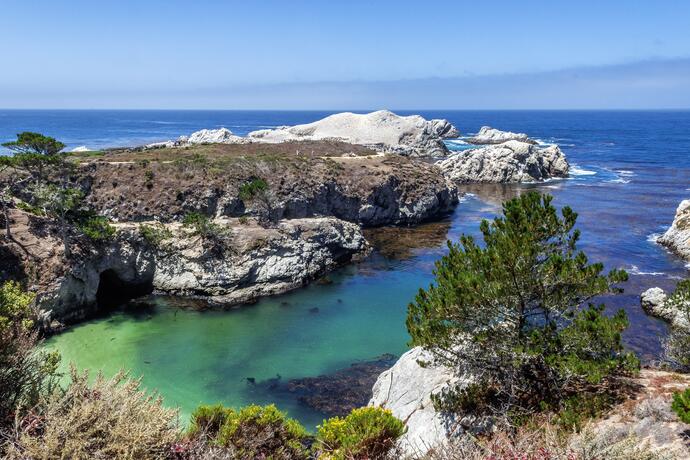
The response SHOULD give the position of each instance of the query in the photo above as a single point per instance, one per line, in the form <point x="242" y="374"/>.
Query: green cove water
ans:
<point x="629" y="172"/>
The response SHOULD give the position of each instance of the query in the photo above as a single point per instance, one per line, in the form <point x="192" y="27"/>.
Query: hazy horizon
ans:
<point x="304" y="55"/>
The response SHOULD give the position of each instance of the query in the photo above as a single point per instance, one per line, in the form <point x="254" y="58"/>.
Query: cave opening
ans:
<point x="113" y="291"/>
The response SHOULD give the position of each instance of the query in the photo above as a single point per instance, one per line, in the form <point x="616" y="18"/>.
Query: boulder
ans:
<point x="509" y="162"/>
<point x="677" y="237"/>
<point x="489" y="135"/>
<point x="383" y="131"/>
<point x="405" y="389"/>
<point x="653" y="302"/>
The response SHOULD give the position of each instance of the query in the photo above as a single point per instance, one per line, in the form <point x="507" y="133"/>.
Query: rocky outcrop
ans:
<point x="383" y="131"/>
<point x="251" y="262"/>
<point x="370" y="190"/>
<point x="510" y="162"/>
<point x="489" y="135"/>
<point x="677" y="237"/>
<point x="654" y="303"/>
<point x="405" y="389"/>
<point x="212" y="136"/>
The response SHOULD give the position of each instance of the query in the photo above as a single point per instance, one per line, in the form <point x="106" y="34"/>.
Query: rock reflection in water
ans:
<point x="401" y="242"/>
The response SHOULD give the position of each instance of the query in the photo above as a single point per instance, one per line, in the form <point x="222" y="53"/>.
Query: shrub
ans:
<point x="97" y="228"/>
<point x="677" y="344"/>
<point x="681" y="405"/>
<point x="367" y="432"/>
<point x="250" y="189"/>
<point x="112" y="418"/>
<point x="510" y="311"/>
<point x="155" y="234"/>
<point x="25" y="374"/>
<point x="252" y="432"/>
<point x="215" y="237"/>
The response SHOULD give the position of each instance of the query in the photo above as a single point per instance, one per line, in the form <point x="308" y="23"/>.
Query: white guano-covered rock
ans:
<point x="213" y="136"/>
<point x="489" y="135"/>
<point x="677" y="237"/>
<point x="510" y="162"/>
<point x="383" y="131"/>
<point x="405" y="389"/>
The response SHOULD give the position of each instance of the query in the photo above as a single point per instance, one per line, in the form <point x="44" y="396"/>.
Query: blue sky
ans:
<point x="354" y="54"/>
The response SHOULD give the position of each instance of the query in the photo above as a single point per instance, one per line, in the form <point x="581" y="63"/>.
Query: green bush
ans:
<point x="97" y="228"/>
<point x="26" y="207"/>
<point x="367" y="432"/>
<point x="677" y="344"/>
<point x="250" y="189"/>
<point x="252" y="432"/>
<point x="155" y="234"/>
<point x="681" y="405"/>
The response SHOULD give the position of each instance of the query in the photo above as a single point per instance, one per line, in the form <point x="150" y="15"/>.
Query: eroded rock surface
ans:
<point x="509" y="162"/>
<point x="654" y="303"/>
<point x="489" y="135"/>
<point x="677" y="237"/>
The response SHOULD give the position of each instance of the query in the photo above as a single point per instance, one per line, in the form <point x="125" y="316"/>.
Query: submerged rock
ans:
<point x="382" y="130"/>
<point x="510" y="162"/>
<point x="677" y="237"/>
<point x="489" y="135"/>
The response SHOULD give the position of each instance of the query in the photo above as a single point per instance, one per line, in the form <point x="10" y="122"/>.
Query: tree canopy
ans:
<point x="513" y="312"/>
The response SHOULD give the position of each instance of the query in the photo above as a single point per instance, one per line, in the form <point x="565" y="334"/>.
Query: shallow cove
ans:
<point x="631" y="171"/>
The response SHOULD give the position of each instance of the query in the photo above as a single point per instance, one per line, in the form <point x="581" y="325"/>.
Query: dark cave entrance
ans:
<point x="113" y="291"/>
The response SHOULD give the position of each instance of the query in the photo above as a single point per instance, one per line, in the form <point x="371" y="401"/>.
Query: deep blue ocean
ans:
<point x="630" y="171"/>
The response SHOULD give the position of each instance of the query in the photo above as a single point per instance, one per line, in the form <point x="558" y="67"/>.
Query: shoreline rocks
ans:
<point x="653" y="302"/>
<point x="250" y="263"/>
<point x="405" y="389"/>
<point x="677" y="237"/>
<point x="489" y="135"/>
<point x="509" y="162"/>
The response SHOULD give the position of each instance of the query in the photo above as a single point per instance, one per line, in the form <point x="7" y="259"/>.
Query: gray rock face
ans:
<point x="383" y="131"/>
<point x="257" y="262"/>
<point x="677" y="237"/>
<point x="510" y="162"/>
<point x="489" y="135"/>
<point x="405" y="389"/>
<point x="653" y="302"/>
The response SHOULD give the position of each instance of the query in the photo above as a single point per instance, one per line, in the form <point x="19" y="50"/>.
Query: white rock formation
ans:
<point x="258" y="262"/>
<point x="381" y="130"/>
<point x="81" y="148"/>
<point x="510" y="162"/>
<point x="677" y="237"/>
<point x="213" y="136"/>
<point x="489" y="135"/>
<point x="653" y="302"/>
<point x="405" y="389"/>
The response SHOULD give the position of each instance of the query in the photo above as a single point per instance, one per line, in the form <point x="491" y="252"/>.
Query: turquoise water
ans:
<point x="631" y="171"/>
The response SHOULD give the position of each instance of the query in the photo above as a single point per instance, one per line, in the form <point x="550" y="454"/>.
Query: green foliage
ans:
<point x="367" y="432"/>
<point x="250" y="189"/>
<point x="155" y="234"/>
<point x="577" y="410"/>
<point x="26" y="207"/>
<point x="214" y="236"/>
<point x="148" y="178"/>
<point x="252" y="432"/>
<point x="511" y="310"/>
<point x="97" y="228"/>
<point x="25" y="375"/>
<point x="29" y="142"/>
<point x="681" y="405"/>
<point x="677" y="344"/>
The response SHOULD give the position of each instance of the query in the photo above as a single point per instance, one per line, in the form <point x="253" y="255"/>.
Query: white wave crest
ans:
<point x="635" y="270"/>
<point x="575" y="170"/>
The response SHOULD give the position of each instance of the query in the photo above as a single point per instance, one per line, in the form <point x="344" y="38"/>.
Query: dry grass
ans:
<point x="547" y="442"/>
<point x="111" y="418"/>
